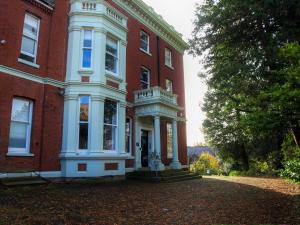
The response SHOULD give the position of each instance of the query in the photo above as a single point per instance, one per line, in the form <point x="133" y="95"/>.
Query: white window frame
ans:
<point x="130" y="135"/>
<point x="141" y="81"/>
<point x="168" y="81"/>
<point x="112" y="125"/>
<point x="36" y="39"/>
<point x="169" y="153"/>
<point x="117" y="57"/>
<point x="168" y="54"/>
<point x="148" y="42"/>
<point x="25" y="150"/>
<point x="91" y="48"/>
<point x="84" y="122"/>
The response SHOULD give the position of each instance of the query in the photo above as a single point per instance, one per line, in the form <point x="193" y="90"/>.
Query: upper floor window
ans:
<point x="168" y="57"/>
<point x="144" y="45"/>
<point x="169" y="141"/>
<point x="30" y="38"/>
<point x="145" y="78"/>
<point x="111" y="58"/>
<point x="87" y="49"/>
<point x="110" y="125"/>
<point x="169" y="85"/>
<point x="84" y="122"/>
<point x="128" y="133"/>
<point x="20" y="126"/>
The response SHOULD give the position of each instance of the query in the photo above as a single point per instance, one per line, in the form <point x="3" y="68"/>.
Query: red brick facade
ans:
<point x="48" y="107"/>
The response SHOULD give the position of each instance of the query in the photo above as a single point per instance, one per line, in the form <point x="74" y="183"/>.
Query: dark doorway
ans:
<point x="144" y="146"/>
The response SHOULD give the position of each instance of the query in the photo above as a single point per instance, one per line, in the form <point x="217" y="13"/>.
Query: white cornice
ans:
<point x="146" y="15"/>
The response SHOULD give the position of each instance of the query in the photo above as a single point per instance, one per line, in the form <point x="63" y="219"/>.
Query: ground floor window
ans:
<point x="84" y="122"/>
<point x="169" y="140"/>
<point x="110" y="125"/>
<point x="128" y="135"/>
<point x="20" y="126"/>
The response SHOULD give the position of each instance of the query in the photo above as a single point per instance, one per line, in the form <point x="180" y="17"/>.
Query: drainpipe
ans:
<point x="158" y="59"/>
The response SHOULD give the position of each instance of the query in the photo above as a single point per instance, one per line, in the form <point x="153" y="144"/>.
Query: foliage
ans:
<point x="292" y="170"/>
<point x="206" y="162"/>
<point x="253" y="77"/>
<point x="291" y="155"/>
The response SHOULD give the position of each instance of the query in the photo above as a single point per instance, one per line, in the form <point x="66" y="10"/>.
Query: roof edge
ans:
<point x="146" y="14"/>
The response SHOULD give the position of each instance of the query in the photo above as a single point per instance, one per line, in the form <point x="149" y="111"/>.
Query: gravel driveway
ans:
<point x="211" y="200"/>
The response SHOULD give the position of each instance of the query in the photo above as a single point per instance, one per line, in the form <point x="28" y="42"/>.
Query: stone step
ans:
<point x="163" y="176"/>
<point x="23" y="181"/>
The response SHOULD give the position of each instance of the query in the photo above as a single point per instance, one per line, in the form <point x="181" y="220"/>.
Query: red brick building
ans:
<point x="89" y="88"/>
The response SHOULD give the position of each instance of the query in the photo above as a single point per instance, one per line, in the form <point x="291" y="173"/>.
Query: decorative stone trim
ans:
<point x="46" y="8"/>
<point x="154" y="21"/>
<point x="31" y="77"/>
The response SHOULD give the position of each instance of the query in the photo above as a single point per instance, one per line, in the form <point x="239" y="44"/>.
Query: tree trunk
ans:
<point x="245" y="158"/>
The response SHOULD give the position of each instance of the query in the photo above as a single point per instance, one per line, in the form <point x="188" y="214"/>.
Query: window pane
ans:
<point x="110" y="112"/>
<point x="30" y="25"/>
<point x="20" y="110"/>
<point x="111" y="63"/>
<point x="18" y="135"/>
<point x="169" y="140"/>
<point x="128" y="135"/>
<point x="87" y="55"/>
<point x="144" y="46"/>
<point x="112" y="46"/>
<point x="83" y="135"/>
<point x="87" y="38"/>
<point x="28" y="45"/>
<point x="169" y="86"/>
<point x="84" y="108"/>
<point x="109" y="142"/>
<point x="145" y="76"/>
<point x="144" y="85"/>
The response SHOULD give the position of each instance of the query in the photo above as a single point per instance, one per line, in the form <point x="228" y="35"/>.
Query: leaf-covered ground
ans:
<point x="213" y="200"/>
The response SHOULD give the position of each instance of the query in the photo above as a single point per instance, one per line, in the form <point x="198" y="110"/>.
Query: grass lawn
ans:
<point x="211" y="200"/>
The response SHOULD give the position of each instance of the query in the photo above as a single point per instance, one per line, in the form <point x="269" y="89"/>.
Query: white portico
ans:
<point x="151" y="106"/>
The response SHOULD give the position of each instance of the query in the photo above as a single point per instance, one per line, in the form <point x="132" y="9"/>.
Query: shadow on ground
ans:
<point x="203" y="201"/>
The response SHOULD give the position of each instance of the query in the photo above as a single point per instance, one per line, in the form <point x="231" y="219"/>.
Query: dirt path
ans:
<point x="212" y="200"/>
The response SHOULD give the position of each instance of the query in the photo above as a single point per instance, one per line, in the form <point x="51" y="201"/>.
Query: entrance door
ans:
<point x="144" y="146"/>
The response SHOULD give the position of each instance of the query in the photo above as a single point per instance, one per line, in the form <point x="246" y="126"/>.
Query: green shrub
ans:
<point x="291" y="155"/>
<point x="292" y="170"/>
<point x="235" y="173"/>
<point x="206" y="162"/>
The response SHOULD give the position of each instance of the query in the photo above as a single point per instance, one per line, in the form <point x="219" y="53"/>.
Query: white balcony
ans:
<point x="154" y="95"/>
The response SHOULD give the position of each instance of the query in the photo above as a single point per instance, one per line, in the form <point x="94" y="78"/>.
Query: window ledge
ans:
<point x="113" y="77"/>
<point x="171" y="67"/>
<point x="28" y="63"/>
<point x="16" y="154"/>
<point x="85" y="71"/>
<point x="148" y="53"/>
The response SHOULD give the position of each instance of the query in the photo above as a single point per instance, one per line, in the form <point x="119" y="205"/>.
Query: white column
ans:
<point x="70" y="136"/>
<point x="73" y="58"/>
<point x="122" y="61"/>
<point x="175" y="163"/>
<point x="137" y="144"/>
<point x="157" y="140"/>
<point x="99" y="55"/>
<point x="96" y="123"/>
<point x="121" y="128"/>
